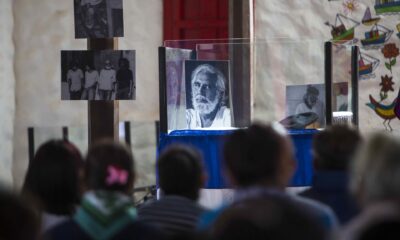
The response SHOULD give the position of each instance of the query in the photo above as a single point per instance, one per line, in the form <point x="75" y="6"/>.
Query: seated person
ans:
<point x="208" y="99"/>
<point x="333" y="150"/>
<point x="18" y="220"/>
<point x="268" y="218"/>
<point x="260" y="162"/>
<point x="181" y="176"/>
<point x="311" y="103"/>
<point x="54" y="181"/>
<point x="107" y="210"/>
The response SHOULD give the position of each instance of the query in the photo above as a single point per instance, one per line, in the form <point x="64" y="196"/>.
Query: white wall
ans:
<point x="7" y="97"/>
<point x="42" y="29"/>
<point x="300" y="20"/>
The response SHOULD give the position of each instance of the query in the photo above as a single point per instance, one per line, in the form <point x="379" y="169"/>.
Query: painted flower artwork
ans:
<point x="390" y="52"/>
<point x="350" y="6"/>
<point x="386" y="86"/>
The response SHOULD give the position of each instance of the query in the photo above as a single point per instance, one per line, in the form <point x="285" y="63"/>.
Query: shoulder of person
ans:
<point x="322" y="212"/>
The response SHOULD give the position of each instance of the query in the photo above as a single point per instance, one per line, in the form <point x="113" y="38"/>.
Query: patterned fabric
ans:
<point x="103" y="214"/>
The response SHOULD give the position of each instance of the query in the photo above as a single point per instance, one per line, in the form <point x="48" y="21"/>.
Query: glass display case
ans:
<point x="209" y="88"/>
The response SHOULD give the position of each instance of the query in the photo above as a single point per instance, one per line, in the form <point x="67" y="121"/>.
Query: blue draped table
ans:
<point x="210" y="144"/>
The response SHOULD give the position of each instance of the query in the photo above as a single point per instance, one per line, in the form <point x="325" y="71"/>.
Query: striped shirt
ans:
<point x="172" y="214"/>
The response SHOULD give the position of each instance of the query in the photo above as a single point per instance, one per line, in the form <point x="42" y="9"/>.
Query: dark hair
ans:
<point x="53" y="177"/>
<point x="18" y="220"/>
<point x="335" y="146"/>
<point x="103" y="156"/>
<point x="252" y="155"/>
<point x="267" y="218"/>
<point x="311" y="90"/>
<point x="180" y="171"/>
<point x="124" y="60"/>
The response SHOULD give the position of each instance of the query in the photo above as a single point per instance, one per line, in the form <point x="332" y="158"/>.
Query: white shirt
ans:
<point x="222" y="118"/>
<point x="91" y="78"/>
<point x="318" y="108"/>
<point x="106" y="79"/>
<point x="76" y="79"/>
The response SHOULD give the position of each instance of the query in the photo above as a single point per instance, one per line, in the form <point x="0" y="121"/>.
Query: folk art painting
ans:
<point x="379" y="50"/>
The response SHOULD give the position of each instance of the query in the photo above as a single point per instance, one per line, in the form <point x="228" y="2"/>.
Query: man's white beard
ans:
<point x="204" y="108"/>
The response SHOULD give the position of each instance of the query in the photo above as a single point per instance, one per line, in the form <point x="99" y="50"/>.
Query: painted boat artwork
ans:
<point x="366" y="66"/>
<point x="368" y="20"/>
<point x="376" y="37"/>
<point x="387" y="7"/>
<point x="343" y="30"/>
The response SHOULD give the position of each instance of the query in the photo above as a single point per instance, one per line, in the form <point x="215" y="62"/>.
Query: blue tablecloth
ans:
<point x="210" y="143"/>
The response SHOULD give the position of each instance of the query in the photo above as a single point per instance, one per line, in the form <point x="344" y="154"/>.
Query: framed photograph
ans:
<point x="305" y="106"/>
<point x="207" y="94"/>
<point x="98" y="75"/>
<point x="98" y="18"/>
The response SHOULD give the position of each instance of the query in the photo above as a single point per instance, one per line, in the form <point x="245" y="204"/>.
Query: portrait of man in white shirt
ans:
<point x="209" y="108"/>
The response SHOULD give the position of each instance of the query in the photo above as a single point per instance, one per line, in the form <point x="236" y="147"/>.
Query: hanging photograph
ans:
<point x="98" y="18"/>
<point x="98" y="75"/>
<point x="305" y="106"/>
<point x="207" y="94"/>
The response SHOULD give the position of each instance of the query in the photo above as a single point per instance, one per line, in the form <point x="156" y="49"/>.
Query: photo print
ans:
<point x="98" y="18"/>
<point x="305" y="106"/>
<point x="207" y="94"/>
<point x="98" y="75"/>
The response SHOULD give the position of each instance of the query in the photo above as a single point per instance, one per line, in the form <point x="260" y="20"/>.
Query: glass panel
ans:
<point x="286" y="89"/>
<point x="341" y="95"/>
<point x="265" y="80"/>
<point x="44" y="134"/>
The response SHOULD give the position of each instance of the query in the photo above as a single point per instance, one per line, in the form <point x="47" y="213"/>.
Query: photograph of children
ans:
<point x="98" y="18"/>
<point x="307" y="99"/>
<point x="98" y="75"/>
<point x="207" y="94"/>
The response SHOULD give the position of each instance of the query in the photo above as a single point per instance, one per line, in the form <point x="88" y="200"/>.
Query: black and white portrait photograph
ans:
<point x="207" y="94"/>
<point x="306" y="103"/>
<point x="98" y="75"/>
<point x="98" y="18"/>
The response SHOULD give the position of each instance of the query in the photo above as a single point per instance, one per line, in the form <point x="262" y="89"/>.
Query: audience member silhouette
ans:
<point x="267" y="218"/>
<point x="181" y="176"/>
<point x="54" y="181"/>
<point x="18" y="220"/>
<point x="333" y="150"/>
<point x="107" y="210"/>
<point x="260" y="163"/>
<point x="375" y="181"/>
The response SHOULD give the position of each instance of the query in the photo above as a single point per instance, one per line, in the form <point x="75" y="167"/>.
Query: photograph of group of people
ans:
<point x="98" y="75"/>
<point x="98" y="18"/>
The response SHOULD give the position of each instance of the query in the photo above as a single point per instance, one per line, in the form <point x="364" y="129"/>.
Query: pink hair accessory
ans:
<point x="116" y="175"/>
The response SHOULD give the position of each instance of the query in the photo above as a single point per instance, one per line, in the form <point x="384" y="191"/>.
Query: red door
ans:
<point x="195" y="19"/>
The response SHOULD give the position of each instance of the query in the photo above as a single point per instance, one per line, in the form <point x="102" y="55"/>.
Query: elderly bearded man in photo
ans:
<point x="208" y="95"/>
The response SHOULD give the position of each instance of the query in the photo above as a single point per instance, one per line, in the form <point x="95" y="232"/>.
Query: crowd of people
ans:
<point x="355" y="192"/>
<point x="108" y="84"/>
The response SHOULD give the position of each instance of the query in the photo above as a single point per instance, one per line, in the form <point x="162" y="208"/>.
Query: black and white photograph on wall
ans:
<point x="207" y="94"/>
<point x="305" y="106"/>
<point x="98" y="75"/>
<point x="98" y="18"/>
